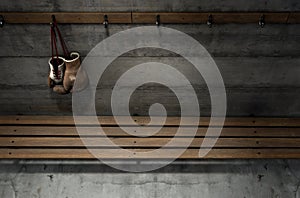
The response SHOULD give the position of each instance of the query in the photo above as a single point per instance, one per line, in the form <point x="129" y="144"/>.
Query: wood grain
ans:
<point x="67" y="17"/>
<point x="57" y="131"/>
<point x="142" y="120"/>
<point x="141" y="154"/>
<point x="147" y="142"/>
<point x="294" y="18"/>
<point x="146" y="17"/>
<point x="218" y="18"/>
<point x="41" y="137"/>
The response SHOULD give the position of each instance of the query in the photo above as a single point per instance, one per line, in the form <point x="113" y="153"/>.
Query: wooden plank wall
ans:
<point x="260" y="66"/>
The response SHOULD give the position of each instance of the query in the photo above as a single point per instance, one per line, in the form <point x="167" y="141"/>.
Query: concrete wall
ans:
<point x="256" y="63"/>
<point x="260" y="68"/>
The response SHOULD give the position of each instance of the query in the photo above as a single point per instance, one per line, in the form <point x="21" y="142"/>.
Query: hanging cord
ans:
<point x="54" y="32"/>
<point x="62" y="42"/>
<point x="54" y="47"/>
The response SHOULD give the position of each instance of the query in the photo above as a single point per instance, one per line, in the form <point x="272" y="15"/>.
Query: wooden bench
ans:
<point x="55" y="137"/>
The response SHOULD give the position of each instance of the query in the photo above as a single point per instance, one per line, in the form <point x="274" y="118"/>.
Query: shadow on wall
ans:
<point x="178" y="166"/>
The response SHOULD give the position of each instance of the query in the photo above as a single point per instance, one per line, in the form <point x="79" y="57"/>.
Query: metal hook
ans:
<point x="53" y="20"/>
<point x="261" y="21"/>
<point x="209" y="21"/>
<point x="1" y="21"/>
<point x="105" y="22"/>
<point x="157" y="20"/>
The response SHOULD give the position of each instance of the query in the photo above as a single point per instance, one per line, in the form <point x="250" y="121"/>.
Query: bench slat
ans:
<point x="46" y="137"/>
<point x="171" y="121"/>
<point x="168" y="153"/>
<point x="145" y="142"/>
<point x="165" y="131"/>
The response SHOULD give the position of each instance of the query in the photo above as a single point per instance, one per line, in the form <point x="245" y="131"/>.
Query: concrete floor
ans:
<point x="182" y="179"/>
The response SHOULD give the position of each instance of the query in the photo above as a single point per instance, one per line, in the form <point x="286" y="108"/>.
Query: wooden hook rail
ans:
<point x="150" y="18"/>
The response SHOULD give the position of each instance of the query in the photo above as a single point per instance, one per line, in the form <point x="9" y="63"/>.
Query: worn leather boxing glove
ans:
<point x="57" y="67"/>
<point x="72" y="67"/>
<point x="56" y="74"/>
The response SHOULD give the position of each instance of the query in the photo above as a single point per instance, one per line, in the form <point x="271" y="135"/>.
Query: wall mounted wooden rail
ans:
<point x="55" y="137"/>
<point x="150" y="18"/>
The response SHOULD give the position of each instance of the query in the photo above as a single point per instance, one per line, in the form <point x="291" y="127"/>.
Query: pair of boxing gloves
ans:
<point x="63" y="73"/>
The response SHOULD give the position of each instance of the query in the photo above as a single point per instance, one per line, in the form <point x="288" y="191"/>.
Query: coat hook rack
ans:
<point x="105" y="22"/>
<point x="261" y="21"/>
<point x="1" y="21"/>
<point x="210" y="18"/>
<point x="209" y="21"/>
<point x="157" y="20"/>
